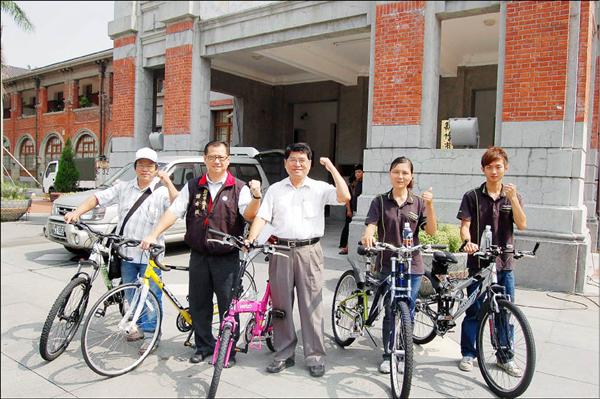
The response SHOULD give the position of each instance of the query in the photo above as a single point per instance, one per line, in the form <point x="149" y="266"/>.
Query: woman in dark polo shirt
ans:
<point x="387" y="215"/>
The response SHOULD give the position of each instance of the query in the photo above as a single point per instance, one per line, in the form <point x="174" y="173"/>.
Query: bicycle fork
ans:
<point x="128" y="322"/>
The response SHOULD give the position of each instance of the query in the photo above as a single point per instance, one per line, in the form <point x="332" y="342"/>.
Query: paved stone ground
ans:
<point x="34" y="270"/>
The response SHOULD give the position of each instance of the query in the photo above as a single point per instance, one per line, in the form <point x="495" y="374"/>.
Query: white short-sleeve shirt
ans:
<point x="297" y="213"/>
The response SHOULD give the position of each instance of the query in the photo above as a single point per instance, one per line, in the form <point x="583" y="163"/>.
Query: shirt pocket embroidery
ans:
<point x="412" y="217"/>
<point x="506" y="208"/>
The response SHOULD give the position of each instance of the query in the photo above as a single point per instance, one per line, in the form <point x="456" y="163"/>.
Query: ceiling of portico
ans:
<point x="466" y="41"/>
<point x="341" y="59"/>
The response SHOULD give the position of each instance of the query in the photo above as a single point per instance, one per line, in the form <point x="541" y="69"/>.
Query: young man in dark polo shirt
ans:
<point x="220" y="201"/>
<point x="498" y="205"/>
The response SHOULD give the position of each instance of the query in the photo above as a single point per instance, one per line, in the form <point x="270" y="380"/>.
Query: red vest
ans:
<point x="219" y="213"/>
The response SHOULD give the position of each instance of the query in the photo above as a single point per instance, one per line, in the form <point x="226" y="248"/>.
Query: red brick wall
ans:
<point x="180" y="26"/>
<point x="584" y="59"/>
<point x="177" y="89"/>
<point x="399" y="35"/>
<point x="124" y="92"/>
<point x="535" y="60"/>
<point x="595" y="122"/>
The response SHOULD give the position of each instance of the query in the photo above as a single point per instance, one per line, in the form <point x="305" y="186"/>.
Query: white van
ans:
<point x="87" y="174"/>
<point x="244" y="165"/>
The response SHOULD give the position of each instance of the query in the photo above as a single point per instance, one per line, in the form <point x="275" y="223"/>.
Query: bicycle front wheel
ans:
<point x="506" y="350"/>
<point x="401" y="360"/>
<point x="224" y="341"/>
<point x="344" y="311"/>
<point x="107" y="347"/>
<point x="424" y="326"/>
<point x="64" y="318"/>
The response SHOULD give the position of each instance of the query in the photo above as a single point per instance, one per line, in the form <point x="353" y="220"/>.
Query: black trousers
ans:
<point x="345" y="232"/>
<point x="209" y="274"/>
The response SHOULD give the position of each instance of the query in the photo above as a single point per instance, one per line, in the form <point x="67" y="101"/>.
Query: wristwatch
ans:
<point x="259" y="197"/>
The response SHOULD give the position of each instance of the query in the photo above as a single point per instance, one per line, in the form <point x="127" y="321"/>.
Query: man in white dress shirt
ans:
<point x="295" y="209"/>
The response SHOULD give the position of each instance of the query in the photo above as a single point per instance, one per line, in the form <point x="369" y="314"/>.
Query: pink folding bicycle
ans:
<point x="259" y="327"/>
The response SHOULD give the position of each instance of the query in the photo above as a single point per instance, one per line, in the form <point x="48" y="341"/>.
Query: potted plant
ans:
<point x="67" y="175"/>
<point x="447" y="234"/>
<point x="84" y="102"/>
<point x="15" y="201"/>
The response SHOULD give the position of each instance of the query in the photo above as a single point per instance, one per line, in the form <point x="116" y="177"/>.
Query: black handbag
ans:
<point x="114" y="264"/>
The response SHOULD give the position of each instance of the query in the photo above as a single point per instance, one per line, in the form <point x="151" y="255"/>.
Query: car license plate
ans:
<point x="58" y="230"/>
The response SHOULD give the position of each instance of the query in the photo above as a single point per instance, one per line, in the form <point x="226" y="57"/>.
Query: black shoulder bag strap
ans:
<point x="135" y="206"/>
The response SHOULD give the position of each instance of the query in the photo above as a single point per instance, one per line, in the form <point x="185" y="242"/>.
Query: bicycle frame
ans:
<point x="128" y="322"/>
<point x="258" y="308"/>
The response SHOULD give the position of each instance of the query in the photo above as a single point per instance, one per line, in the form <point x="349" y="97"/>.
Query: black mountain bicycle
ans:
<point x="504" y="335"/>
<point x="351" y="316"/>
<point x="68" y="309"/>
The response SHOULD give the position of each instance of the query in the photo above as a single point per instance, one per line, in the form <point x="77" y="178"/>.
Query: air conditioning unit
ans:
<point x="464" y="132"/>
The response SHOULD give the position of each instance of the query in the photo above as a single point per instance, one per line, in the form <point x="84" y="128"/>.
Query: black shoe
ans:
<point x="199" y="356"/>
<point x="317" y="371"/>
<point x="277" y="365"/>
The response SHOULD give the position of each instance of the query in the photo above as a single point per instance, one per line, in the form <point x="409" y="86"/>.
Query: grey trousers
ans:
<point x="303" y="270"/>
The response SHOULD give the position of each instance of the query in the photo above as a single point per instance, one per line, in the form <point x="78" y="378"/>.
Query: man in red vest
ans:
<point x="222" y="202"/>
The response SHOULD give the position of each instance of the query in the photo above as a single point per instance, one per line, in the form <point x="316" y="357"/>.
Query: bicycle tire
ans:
<point x="52" y="347"/>
<point x="269" y="331"/>
<point x="402" y="342"/>
<point x="498" y="380"/>
<point x="424" y="328"/>
<point x="346" y="285"/>
<point x="104" y="343"/>
<point x="224" y="341"/>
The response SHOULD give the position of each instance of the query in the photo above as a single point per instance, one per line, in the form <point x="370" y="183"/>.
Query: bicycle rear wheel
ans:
<point x="224" y="341"/>
<point x="105" y="345"/>
<point x="344" y="311"/>
<point x="506" y="337"/>
<point x="424" y="328"/>
<point x="401" y="360"/>
<point x="64" y="318"/>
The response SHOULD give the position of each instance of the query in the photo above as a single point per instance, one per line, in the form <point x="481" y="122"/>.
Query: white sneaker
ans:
<point x="135" y="335"/>
<point x="466" y="363"/>
<point x="384" y="367"/>
<point x="510" y="368"/>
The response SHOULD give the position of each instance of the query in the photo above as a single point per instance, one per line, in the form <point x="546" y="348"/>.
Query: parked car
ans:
<point x="87" y="174"/>
<point x="244" y="164"/>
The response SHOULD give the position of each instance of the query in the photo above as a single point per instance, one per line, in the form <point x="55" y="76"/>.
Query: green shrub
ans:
<point x="67" y="175"/>
<point x="447" y="234"/>
<point x="12" y="191"/>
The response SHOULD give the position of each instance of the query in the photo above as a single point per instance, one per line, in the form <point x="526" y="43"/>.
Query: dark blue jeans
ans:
<point x="386" y="328"/>
<point x="470" y="324"/>
<point x="129" y="274"/>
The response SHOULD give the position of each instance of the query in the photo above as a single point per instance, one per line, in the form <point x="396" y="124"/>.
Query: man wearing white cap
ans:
<point x="139" y="224"/>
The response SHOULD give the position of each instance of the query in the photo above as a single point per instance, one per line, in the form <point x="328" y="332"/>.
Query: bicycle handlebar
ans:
<point x="496" y="250"/>
<point x="238" y="242"/>
<point x="84" y="226"/>
<point x="383" y="246"/>
<point x="154" y="250"/>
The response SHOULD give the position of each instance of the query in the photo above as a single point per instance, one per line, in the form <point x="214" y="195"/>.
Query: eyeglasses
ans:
<point x="301" y="161"/>
<point x="220" y="158"/>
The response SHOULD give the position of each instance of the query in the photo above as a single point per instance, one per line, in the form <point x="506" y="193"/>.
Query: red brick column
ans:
<point x="178" y="82"/>
<point x="584" y="59"/>
<point x="399" y="36"/>
<point x="124" y="91"/>
<point x="535" y="66"/>
<point x="42" y="96"/>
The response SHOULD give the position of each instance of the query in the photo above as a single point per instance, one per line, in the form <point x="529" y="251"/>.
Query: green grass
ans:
<point x="447" y="234"/>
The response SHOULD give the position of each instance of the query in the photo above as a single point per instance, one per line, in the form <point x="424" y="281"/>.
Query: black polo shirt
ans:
<point x="389" y="227"/>
<point x="496" y="213"/>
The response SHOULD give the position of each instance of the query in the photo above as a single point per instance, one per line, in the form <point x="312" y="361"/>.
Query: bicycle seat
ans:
<point x="444" y="257"/>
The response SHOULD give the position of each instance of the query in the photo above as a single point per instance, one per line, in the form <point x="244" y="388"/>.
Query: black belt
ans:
<point x="297" y="243"/>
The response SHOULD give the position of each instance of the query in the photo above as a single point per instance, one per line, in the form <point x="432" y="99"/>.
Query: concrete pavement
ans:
<point x="34" y="270"/>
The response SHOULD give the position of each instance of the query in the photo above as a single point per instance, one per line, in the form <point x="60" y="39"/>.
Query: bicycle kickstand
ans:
<point x="370" y="336"/>
<point x="188" y="341"/>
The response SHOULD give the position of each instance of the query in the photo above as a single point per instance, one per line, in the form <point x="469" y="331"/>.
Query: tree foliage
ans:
<point x="67" y="175"/>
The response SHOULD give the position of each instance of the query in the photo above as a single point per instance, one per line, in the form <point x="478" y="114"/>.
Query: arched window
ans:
<point x="53" y="149"/>
<point x="86" y="147"/>
<point x="27" y="156"/>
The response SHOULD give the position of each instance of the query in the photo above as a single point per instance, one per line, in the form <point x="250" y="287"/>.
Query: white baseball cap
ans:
<point x="146" y="153"/>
